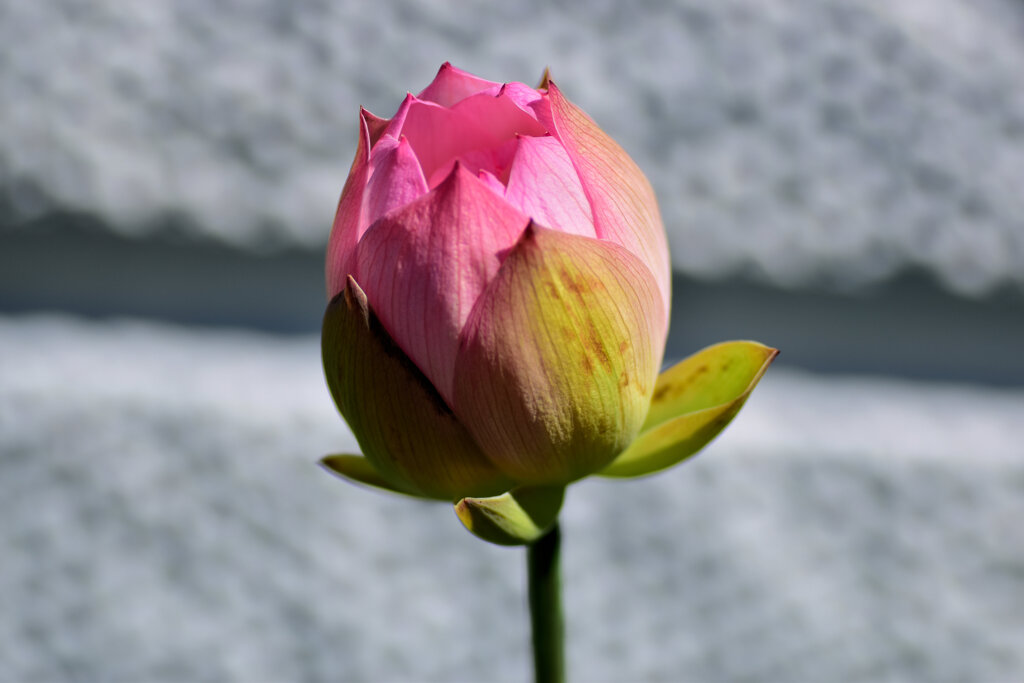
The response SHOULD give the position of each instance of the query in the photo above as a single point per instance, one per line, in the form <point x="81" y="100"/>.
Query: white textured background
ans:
<point x="798" y="140"/>
<point x="161" y="515"/>
<point x="168" y="525"/>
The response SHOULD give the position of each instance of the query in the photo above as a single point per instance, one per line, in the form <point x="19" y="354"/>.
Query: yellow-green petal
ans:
<point x="558" y="359"/>
<point x="518" y="517"/>
<point x="693" y="401"/>
<point x="403" y="426"/>
<point x="714" y="375"/>
<point x="358" y="469"/>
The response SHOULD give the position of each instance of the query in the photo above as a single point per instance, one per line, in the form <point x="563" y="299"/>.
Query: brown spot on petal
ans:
<point x="551" y="290"/>
<point x="574" y="285"/>
<point x="594" y="344"/>
<point x="671" y="391"/>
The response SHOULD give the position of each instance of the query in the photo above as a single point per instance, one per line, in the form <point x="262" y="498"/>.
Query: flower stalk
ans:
<point x="543" y="560"/>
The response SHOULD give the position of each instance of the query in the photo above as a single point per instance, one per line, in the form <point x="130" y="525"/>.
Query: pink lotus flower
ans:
<point x="500" y="282"/>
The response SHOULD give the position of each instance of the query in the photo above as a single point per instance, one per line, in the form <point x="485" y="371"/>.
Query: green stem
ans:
<point x="543" y="560"/>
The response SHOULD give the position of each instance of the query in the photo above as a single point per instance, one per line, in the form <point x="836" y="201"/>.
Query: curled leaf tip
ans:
<point x="518" y="517"/>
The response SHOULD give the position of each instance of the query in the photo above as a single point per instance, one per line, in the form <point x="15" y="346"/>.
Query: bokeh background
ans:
<point x="842" y="179"/>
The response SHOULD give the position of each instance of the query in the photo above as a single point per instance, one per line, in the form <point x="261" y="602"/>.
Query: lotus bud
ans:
<point x="498" y="278"/>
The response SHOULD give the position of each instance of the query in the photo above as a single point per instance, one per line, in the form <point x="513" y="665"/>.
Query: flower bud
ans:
<point x="499" y="279"/>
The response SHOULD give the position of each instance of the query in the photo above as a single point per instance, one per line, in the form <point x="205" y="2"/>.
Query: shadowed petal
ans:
<point x="404" y="428"/>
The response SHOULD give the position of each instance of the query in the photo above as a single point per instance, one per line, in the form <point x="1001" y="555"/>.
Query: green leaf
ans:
<point x="358" y="469"/>
<point x="518" y="517"/>
<point x="693" y="401"/>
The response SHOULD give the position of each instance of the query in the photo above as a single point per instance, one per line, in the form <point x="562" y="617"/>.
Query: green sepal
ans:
<point x="693" y="401"/>
<point x="359" y="470"/>
<point x="518" y="517"/>
<point x="405" y="430"/>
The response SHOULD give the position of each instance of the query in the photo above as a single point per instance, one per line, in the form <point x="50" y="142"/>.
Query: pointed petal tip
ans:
<point x="358" y="470"/>
<point x="456" y="177"/>
<point x="545" y="79"/>
<point x="529" y="232"/>
<point x="371" y="127"/>
<point x="355" y="297"/>
<point x="451" y="85"/>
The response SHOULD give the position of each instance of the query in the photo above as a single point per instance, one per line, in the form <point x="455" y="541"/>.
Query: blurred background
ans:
<point x="839" y="179"/>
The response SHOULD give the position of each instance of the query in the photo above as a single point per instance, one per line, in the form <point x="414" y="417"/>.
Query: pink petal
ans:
<point x="488" y="179"/>
<point x="500" y="114"/>
<point x="523" y="95"/>
<point x="451" y="85"/>
<point x="543" y="184"/>
<point x="375" y="124"/>
<point x="494" y="160"/>
<point x="623" y="203"/>
<point x="396" y="123"/>
<point x="439" y="135"/>
<point x="483" y="121"/>
<point x="396" y="180"/>
<point x="424" y="266"/>
<point x="350" y="217"/>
